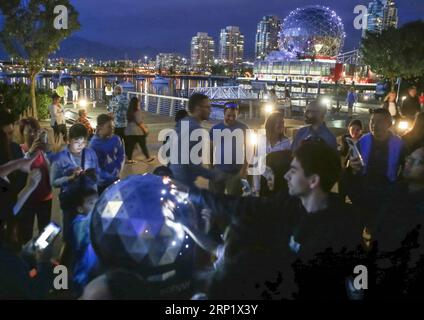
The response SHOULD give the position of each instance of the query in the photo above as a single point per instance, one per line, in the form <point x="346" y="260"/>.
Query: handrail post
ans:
<point x="158" y="106"/>
<point x="171" y="109"/>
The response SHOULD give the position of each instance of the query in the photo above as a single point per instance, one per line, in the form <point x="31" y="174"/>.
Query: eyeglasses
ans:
<point x="415" y="161"/>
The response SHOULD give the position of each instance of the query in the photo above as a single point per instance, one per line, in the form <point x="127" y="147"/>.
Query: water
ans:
<point x="178" y="86"/>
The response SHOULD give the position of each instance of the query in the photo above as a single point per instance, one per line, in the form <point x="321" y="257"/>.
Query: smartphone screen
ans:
<point x="47" y="236"/>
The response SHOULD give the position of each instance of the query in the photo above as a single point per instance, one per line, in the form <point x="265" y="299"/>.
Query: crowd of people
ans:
<point x="323" y="206"/>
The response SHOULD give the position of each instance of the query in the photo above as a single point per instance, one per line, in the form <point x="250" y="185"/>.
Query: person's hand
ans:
<point x="34" y="178"/>
<point x="355" y="164"/>
<point x="75" y="173"/>
<point x="44" y="256"/>
<point x="39" y="143"/>
<point x="25" y="164"/>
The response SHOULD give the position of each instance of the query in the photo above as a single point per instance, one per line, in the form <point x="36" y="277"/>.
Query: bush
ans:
<point x="43" y="102"/>
<point x="17" y="98"/>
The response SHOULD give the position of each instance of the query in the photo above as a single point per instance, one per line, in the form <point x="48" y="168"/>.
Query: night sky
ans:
<point x="168" y="25"/>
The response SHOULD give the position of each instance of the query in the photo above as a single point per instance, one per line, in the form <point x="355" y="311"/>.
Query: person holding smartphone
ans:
<point x="74" y="168"/>
<point x="40" y="202"/>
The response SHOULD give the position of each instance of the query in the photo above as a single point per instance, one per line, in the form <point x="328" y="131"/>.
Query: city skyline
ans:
<point x="169" y="25"/>
<point x="148" y="28"/>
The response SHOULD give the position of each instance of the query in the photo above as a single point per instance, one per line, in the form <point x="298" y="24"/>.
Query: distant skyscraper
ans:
<point x="202" y="51"/>
<point x="382" y="14"/>
<point x="169" y="60"/>
<point x="267" y="36"/>
<point x="231" y="46"/>
<point x="390" y="17"/>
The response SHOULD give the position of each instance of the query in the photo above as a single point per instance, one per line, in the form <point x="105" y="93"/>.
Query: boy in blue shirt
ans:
<point x="109" y="150"/>
<point x="84" y="261"/>
<point x="73" y="169"/>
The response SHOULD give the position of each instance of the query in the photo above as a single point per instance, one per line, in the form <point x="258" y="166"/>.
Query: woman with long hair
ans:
<point x="39" y="203"/>
<point x="278" y="156"/>
<point x="391" y="105"/>
<point x="275" y="137"/>
<point x="136" y="132"/>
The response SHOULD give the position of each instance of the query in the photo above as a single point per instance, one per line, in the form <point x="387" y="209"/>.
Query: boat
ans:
<point x="160" y="81"/>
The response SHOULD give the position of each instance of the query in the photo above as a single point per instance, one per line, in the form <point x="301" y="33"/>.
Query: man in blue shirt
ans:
<point x="109" y="150"/>
<point x="232" y="161"/>
<point x="316" y="128"/>
<point x="184" y="169"/>
<point x="74" y="168"/>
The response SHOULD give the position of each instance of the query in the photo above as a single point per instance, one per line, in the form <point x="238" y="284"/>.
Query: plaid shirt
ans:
<point x="118" y="105"/>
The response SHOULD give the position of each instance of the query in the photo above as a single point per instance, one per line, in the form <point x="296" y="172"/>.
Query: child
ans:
<point x="74" y="168"/>
<point x="109" y="150"/>
<point x="84" y="260"/>
<point x="82" y="113"/>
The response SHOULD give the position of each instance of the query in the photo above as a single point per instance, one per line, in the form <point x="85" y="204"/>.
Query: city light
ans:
<point x="83" y="103"/>
<point x="253" y="138"/>
<point x="269" y="108"/>
<point x="326" y="101"/>
<point x="403" y="125"/>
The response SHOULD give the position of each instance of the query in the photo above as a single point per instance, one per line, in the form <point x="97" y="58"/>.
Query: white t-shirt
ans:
<point x="392" y="108"/>
<point x="109" y="92"/>
<point x="56" y="114"/>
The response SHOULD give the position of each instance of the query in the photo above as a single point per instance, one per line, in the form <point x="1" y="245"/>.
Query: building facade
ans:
<point x="202" y="51"/>
<point x="169" y="61"/>
<point x="231" y="46"/>
<point x="267" y="35"/>
<point x="382" y="14"/>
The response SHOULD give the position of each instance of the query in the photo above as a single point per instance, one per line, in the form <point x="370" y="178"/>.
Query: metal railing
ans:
<point x="162" y="105"/>
<point x="225" y="93"/>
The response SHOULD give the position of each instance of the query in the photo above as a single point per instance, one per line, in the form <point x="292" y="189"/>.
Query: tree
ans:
<point x="29" y="33"/>
<point x="396" y="53"/>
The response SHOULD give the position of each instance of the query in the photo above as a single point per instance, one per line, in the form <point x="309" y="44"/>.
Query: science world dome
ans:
<point x="312" y="31"/>
<point x="134" y="224"/>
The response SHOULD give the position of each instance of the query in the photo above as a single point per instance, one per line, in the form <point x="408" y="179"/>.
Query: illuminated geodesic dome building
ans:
<point x="311" y="38"/>
<point x="312" y="31"/>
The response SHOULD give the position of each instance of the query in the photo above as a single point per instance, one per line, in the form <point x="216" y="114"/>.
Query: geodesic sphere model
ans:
<point x="312" y="31"/>
<point x="134" y="224"/>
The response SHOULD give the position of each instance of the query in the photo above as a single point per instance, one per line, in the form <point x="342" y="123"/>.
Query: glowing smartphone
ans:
<point x="354" y="151"/>
<point x="47" y="236"/>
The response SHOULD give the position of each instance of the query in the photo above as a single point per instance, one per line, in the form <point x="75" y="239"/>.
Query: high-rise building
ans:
<point x="231" y="46"/>
<point x="390" y="17"/>
<point x="382" y="14"/>
<point x="166" y="61"/>
<point x="202" y="51"/>
<point x="267" y="36"/>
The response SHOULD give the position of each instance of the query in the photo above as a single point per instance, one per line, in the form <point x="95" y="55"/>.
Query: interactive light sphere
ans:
<point x="134" y="224"/>
<point x="312" y="31"/>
